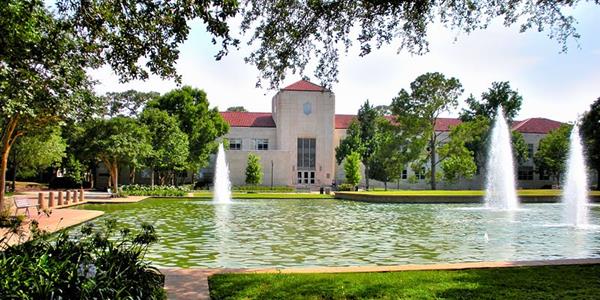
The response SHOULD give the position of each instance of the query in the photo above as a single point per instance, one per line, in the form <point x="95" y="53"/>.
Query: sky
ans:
<point x="554" y="85"/>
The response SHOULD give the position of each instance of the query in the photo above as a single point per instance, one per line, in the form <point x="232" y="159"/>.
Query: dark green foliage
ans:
<point x="263" y="189"/>
<point x="360" y="137"/>
<point x="500" y="94"/>
<point x="254" y="172"/>
<point x="157" y="190"/>
<point x="552" y="152"/>
<point x="97" y="263"/>
<point x="345" y="187"/>
<point x="544" y="282"/>
<point x="289" y="35"/>
<point x="202" y="124"/>
<point x="590" y="130"/>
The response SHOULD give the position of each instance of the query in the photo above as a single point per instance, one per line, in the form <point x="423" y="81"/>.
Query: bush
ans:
<point x="157" y="190"/>
<point x="95" y="264"/>
<point x="345" y="187"/>
<point x="66" y="183"/>
<point x="263" y="189"/>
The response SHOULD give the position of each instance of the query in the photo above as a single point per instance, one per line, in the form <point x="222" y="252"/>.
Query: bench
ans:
<point x="24" y="203"/>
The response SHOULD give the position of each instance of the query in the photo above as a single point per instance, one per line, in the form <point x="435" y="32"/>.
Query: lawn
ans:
<point x="531" y="193"/>
<point x="237" y="195"/>
<point x="547" y="282"/>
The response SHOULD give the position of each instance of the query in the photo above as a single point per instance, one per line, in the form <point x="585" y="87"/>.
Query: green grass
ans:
<point x="235" y="195"/>
<point x="462" y="193"/>
<point x="547" y="282"/>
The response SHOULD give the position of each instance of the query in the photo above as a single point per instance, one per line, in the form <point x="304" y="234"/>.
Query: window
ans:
<point x="420" y="174"/>
<point x="306" y="154"/>
<point x="525" y="173"/>
<point x="261" y="144"/>
<point x="404" y="174"/>
<point x="306" y="177"/>
<point x="235" y="144"/>
<point x="530" y="151"/>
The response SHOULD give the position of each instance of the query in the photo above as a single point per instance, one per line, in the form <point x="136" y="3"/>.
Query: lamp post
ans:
<point x="271" y="174"/>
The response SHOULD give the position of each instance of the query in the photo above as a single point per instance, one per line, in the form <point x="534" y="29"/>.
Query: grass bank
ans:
<point x="237" y="195"/>
<point x="458" y="193"/>
<point x="546" y="282"/>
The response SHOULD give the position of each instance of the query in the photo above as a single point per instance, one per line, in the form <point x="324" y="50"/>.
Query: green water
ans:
<point x="268" y="233"/>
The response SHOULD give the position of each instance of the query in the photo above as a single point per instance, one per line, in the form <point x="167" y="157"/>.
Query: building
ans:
<point x="296" y="142"/>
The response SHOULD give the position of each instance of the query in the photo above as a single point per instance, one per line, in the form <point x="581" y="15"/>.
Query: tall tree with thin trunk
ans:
<point x="431" y="94"/>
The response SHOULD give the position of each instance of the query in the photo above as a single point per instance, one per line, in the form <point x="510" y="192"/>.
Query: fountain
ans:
<point x="576" y="189"/>
<point x="500" y="179"/>
<point x="222" y="189"/>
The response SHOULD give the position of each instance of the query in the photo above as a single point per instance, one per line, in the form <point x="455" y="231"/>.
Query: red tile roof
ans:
<point x="248" y="119"/>
<point x="304" y="85"/>
<point x="536" y="125"/>
<point x="263" y="119"/>
<point x="343" y="121"/>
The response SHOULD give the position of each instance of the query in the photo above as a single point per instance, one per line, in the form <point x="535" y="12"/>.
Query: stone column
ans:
<point x="51" y="199"/>
<point x="68" y="200"/>
<point x="81" y="196"/>
<point x="41" y="202"/>
<point x="75" y="196"/>
<point x="60" y="198"/>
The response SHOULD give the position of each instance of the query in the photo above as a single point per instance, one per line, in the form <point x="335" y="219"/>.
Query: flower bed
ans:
<point x="157" y="190"/>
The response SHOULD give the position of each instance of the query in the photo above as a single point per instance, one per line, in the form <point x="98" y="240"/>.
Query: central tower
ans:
<point x="304" y="114"/>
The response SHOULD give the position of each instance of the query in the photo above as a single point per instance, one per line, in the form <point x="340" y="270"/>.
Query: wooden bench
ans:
<point x="24" y="203"/>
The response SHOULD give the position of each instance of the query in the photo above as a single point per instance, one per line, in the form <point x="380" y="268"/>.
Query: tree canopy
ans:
<point x="352" y="168"/>
<point x="237" y="109"/>
<point x="128" y="103"/>
<point x="431" y="95"/>
<point x="500" y="94"/>
<point x="590" y="129"/>
<point x="254" y="172"/>
<point x="202" y="124"/>
<point x="552" y="152"/>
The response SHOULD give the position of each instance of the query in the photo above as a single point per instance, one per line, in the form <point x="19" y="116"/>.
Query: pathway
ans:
<point x="193" y="283"/>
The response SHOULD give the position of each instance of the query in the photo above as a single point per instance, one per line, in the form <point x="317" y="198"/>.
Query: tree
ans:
<point x="590" y="130"/>
<point x="42" y="74"/>
<point x="37" y="151"/>
<point x="552" y="152"/>
<point x="237" y="109"/>
<point x="170" y="146"/>
<point x="418" y="111"/>
<point x="253" y="170"/>
<point x="500" y="94"/>
<point x="126" y="104"/>
<point x="479" y="115"/>
<point x="200" y="123"/>
<point x="352" y="168"/>
<point x="360" y="138"/>
<point x="117" y="141"/>
<point x="290" y="35"/>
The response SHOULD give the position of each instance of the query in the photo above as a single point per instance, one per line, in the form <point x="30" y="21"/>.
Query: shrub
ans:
<point x="259" y="188"/>
<point x="157" y="190"/>
<point x="253" y="170"/>
<point x="345" y="187"/>
<point x="95" y="264"/>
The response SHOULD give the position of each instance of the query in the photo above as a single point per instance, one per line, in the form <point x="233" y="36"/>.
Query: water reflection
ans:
<point x="259" y="233"/>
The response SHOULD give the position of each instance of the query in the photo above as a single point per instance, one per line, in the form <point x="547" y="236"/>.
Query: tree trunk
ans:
<point x="433" y="157"/>
<point x="385" y="185"/>
<point x="132" y="175"/>
<point x="7" y="140"/>
<point x="598" y="179"/>
<point x="367" y="176"/>
<point x="152" y="177"/>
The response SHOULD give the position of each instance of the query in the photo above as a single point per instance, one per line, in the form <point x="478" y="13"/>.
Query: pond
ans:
<point x="285" y="233"/>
